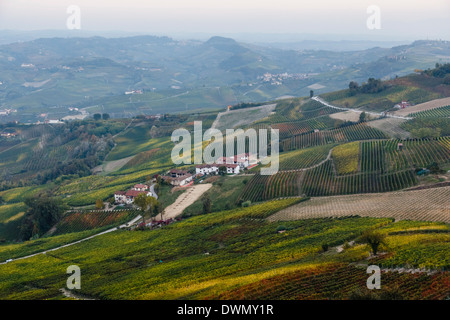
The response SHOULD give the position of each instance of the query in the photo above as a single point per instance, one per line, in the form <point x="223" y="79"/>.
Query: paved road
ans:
<point x="79" y="241"/>
<point x="152" y="190"/>
<point x="318" y="99"/>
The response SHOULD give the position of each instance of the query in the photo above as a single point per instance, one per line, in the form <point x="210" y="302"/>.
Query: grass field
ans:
<point x="346" y="158"/>
<point x="223" y="194"/>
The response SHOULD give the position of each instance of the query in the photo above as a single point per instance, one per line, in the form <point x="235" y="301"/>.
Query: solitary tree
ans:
<point x="362" y="117"/>
<point x="99" y="204"/>
<point x="353" y="88"/>
<point x="97" y="116"/>
<point x="373" y="239"/>
<point x="157" y="209"/>
<point x="105" y="116"/>
<point x="206" y="201"/>
<point x="222" y="170"/>
<point x="145" y="204"/>
<point x="311" y="93"/>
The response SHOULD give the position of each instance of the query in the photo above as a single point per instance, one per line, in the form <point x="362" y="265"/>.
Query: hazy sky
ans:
<point x="406" y="19"/>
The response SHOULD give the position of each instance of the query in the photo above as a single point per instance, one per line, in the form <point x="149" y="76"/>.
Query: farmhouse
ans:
<point x="178" y="177"/>
<point x="402" y="105"/>
<point x="127" y="197"/>
<point x="232" y="168"/>
<point x="119" y="197"/>
<point x="131" y="194"/>
<point x="214" y="168"/>
<point x="140" y="187"/>
<point x="207" y="169"/>
<point x="243" y="160"/>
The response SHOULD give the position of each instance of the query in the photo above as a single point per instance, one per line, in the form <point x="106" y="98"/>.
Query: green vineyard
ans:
<point x="357" y="167"/>
<point x="442" y="112"/>
<point x="281" y="184"/>
<point x="322" y="181"/>
<point x="304" y="158"/>
<point x="355" y="132"/>
<point x="287" y="129"/>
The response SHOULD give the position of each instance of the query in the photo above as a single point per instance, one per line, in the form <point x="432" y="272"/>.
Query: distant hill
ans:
<point x="48" y="75"/>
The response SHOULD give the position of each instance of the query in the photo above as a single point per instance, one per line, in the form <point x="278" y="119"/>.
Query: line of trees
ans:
<point x="372" y="86"/>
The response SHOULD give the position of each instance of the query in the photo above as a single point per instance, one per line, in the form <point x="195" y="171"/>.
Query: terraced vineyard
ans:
<point x="356" y="167"/>
<point x="287" y="129"/>
<point x="442" y="112"/>
<point x="355" y="132"/>
<point x="304" y="158"/>
<point x="426" y="151"/>
<point x="372" y="156"/>
<point x="281" y="184"/>
<point x="82" y="221"/>
<point x="322" y="181"/>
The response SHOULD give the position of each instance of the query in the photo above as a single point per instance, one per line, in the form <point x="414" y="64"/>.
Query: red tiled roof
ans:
<point x="206" y="165"/>
<point x="134" y="193"/>
<point x="140" y="186"/>
<point x="178" y="171"/>
<point x="121" y="193"/>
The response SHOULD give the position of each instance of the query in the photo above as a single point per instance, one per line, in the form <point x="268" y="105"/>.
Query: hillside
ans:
<point x="300" y="233"/>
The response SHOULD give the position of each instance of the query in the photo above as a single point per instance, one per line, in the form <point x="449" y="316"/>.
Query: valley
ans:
<point x="356" y="160"/>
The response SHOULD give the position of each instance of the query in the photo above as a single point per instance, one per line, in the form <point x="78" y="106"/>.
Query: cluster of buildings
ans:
<point x="5" y="112"/>
<point x="277" y="79"/>
<point x="402" y="105"/>
<point x="8" y="134"/>
<point x="178" y="178"/>
<point x="232" y="164"/>
<point x="134" y="92"/>
<point x="127" y="197"/>
<point x="182" y="178"/>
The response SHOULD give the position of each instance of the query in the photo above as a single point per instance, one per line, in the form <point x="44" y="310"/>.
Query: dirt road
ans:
<point x="184" y="200"/>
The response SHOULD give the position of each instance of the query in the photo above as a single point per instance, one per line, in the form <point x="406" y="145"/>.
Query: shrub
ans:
<point x="246" y="204"/>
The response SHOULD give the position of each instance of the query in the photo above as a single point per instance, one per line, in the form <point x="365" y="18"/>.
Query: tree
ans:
<point x="373" y="239"/>
<point x="246" y="204"/>
<point x="99" y="204"/>
<point x="434" y="168"/>
<point x="157" y="209"/>
<point x="206" y="201"/>
<point x="447" y="79"/>
<point x="42" y="214"/>
<point x="222" y="170"/>
<point x="145" y="204"/>
<point x="353" y="88"/>
<point x="105" y="116"/>
<point x="362" y="117"/>
<point x="97" y="116"/>
<point x="111" y="201"/>
<point x="311" y="93"/>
